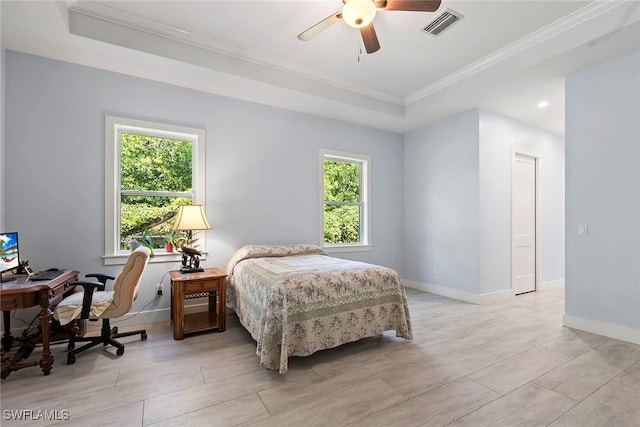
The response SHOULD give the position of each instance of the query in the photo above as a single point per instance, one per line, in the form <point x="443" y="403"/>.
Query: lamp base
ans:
<point x="191" y="270"/>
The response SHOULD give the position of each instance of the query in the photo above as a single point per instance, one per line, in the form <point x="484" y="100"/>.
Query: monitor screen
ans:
<point x="9" y="257"/>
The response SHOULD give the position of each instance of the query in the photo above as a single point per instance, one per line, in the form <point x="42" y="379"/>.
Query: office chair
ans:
<point x="95" y="303"/>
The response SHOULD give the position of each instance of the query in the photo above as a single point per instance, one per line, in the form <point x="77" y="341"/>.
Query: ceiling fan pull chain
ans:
<point x="359" y="49"/>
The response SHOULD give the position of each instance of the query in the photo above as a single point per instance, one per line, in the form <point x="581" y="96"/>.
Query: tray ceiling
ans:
<point x="505" y="56"/>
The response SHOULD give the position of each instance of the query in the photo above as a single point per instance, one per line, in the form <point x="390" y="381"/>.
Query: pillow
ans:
<point x="263" y="251"/>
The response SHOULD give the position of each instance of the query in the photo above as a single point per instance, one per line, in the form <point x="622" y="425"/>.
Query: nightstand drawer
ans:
<point x="209" y="285"/>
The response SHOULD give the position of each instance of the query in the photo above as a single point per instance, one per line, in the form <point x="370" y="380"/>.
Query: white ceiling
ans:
<point x="504" y="56"/>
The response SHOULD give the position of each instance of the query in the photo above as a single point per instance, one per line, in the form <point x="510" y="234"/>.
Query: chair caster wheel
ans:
<point x="120" y="351"/>
<point x="144" y="337"/>
<point x="71" y="360"/>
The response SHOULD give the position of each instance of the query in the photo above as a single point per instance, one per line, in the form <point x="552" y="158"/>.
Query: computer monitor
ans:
<point x="9" y="255"/>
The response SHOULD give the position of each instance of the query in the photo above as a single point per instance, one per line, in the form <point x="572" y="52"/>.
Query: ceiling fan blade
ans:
<point x="409" y="5"/>
<point x="370" y="39"/>
<point x="320" y="26"/>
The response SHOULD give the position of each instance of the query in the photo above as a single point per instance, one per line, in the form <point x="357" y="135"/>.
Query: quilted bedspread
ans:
<point x="295" y="300"/>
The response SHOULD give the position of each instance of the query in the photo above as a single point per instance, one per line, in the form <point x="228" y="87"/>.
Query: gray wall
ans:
<point x="603" y="191"/>
<point x="2" y="97"/>
<point x="441" y="204"/>
<point x="262" y="167"/>
<point x="457" y="231"/>
<point x="499" y="138"/>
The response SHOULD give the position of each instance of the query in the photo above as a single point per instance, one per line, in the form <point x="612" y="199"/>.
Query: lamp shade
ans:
<point x="191" y="217"/>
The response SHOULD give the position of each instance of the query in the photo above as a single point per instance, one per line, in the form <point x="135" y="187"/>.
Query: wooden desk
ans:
<point x="23" y="293"/>
<point x="210" y="283"/>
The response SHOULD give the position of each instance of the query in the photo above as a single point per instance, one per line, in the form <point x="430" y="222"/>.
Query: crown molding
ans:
<point x="546" y="33"/>
<point x="103" y="12"/>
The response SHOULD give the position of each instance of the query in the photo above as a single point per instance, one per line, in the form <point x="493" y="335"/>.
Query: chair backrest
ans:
<point x="128" y="281"/>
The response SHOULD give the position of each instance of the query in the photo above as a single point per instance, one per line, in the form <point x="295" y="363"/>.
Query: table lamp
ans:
<point x="190" y="218"/>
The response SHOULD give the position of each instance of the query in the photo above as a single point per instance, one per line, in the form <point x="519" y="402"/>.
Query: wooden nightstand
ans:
<point x="210" y="283"/>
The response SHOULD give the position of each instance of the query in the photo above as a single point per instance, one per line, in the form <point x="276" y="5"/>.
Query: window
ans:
<point x="151" y="169"/>
<point x="344" y="213"/>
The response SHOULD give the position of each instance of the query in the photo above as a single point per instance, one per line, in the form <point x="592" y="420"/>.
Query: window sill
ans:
<point x="347" y="248"/>
<point x="159" y="257"/>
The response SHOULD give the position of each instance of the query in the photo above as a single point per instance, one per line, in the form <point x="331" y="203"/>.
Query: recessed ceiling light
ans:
<point x="543" y="104"/>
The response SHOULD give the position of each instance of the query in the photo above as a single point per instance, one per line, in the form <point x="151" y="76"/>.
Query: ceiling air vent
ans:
<point x="442" y="22"/>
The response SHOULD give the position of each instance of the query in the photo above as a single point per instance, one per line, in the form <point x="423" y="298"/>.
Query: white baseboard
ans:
<point x="159" y="315"/>
<point x="458" y="294"/>
<point x="552" y="284"/>
<point x="131" y="319"/>
<point x="607" y="329"/>
<point x="443" y="290"/>
<point x="144" y="317"/>
<point x="151" y="316"/>
<point x="496" y="296"/>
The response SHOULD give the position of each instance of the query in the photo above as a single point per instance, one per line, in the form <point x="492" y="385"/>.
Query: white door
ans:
<point x="523" y="255"/>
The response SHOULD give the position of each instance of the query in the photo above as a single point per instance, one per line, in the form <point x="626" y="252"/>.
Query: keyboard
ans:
<point x="46" y="275"/>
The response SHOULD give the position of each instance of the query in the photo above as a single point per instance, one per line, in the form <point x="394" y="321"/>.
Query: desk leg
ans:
<point x="45" y="317"/>
<point x="7" y="339"/>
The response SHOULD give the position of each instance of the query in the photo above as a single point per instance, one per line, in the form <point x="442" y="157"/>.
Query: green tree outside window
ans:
<point x="342" y="202"/>
<point x="155" y="178"/>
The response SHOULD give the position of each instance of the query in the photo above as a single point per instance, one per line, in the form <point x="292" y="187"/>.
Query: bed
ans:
<point x="296" y="299"/>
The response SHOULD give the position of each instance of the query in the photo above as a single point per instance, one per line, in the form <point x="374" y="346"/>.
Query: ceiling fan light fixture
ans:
<point x="358" y="13"/>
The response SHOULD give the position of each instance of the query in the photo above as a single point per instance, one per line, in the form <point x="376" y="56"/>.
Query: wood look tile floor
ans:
<point x="505" y="364"/>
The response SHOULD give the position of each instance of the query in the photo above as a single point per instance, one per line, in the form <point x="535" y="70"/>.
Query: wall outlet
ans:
<point x="583" y="229"/>
<point x="159" y="288"/>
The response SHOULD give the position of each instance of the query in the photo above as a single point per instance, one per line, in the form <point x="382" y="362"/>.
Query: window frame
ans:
<point x="114" y="126"/>
<point x="365" y="200"/>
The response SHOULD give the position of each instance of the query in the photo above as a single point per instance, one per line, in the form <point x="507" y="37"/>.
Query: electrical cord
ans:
<point x="122" y="319"/>
<point x="165" y="275"/>
<point x="29" y="325"/>
<point x="25" y="331"/>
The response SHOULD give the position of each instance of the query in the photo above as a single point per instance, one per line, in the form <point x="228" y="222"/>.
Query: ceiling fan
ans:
<point x="360" y="14"/>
